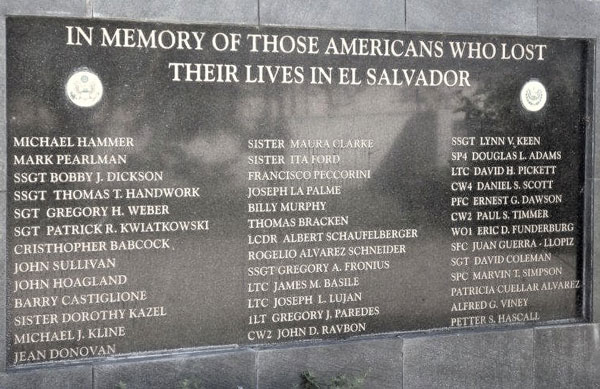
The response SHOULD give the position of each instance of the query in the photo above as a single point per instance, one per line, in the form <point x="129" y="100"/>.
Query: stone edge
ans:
<point x="5" y="12"/>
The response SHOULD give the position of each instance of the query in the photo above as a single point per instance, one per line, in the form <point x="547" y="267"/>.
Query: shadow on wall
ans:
<point x="408" y="171"/>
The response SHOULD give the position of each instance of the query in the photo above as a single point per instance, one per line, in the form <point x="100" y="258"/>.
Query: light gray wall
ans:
<point x="562" y="356"/>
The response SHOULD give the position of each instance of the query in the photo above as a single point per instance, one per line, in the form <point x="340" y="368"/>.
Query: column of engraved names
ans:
<point x="505" y="224"/>
<point x="306" y="257"/>
<point x="78" y="215"/>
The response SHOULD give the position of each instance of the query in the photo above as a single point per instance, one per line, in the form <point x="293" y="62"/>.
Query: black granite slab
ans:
<point x="271" y="204"/>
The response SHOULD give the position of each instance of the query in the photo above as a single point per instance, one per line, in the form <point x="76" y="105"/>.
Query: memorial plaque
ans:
<point x="179" y="186"/>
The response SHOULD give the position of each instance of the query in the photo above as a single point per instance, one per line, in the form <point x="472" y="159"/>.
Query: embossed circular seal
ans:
<point x="533" y="95"/>
<point x="84" y="88"/>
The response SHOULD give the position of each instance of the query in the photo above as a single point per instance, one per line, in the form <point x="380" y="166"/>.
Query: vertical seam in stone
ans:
<point x="537" y="17"/>
<point x="256" y="365"/>
<point x="258" y="11"/>
<point x="402" y="351"/>
<point x="405" y="28"/>
<point x="533" y="350"/>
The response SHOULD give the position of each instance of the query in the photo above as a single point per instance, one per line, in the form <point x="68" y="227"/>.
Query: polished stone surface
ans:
<point x="502" y="359"/>
<point x="218" y="370"/>
<point x="567" y="357"/>
<point x="570" y="349"/>
<point x="596" y="90"/>
<point x="49" y="7"/>
<point x="378" y="362"/>
<point x="3" y="285"/>
<point x="2" y="104"/>
<point x="378" y="15"/>
<point x="78" y="377"/>
<point x="596" y="254"/>
<point x="184" y="11"/>
<point x="467" y="16"/>
<point x="569" y="18"/>
<point x="398" y="144"/>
